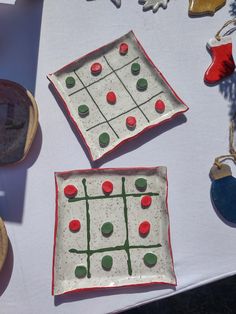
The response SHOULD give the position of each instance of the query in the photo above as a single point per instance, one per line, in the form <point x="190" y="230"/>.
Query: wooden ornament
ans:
<point x="3" y="243"/>
<point x="205" y="7"/>
<point x="18" y="122"/>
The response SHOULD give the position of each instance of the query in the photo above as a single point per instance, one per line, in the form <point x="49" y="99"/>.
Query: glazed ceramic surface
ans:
<point x="135" y="199"/>
<point x="133" y="97"/>
<point x="200" y="7"/>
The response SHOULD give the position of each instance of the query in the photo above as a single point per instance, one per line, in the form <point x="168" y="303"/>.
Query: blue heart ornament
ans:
<point x="223" y="192"/>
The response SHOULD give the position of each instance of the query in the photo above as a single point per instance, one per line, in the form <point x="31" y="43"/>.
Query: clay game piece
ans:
<point x="153" y="4"/>
<point x="107" y="187"/>
<point x="74" y="225"/>
<point x="80" y="272"/>
<point x="70" y="191"/>
<point x="160" y="106"/>
<point x="120" y="244"/>
<point x="18" y="122"/>
<point x="83" y="111"/>
<point x="111" y="98"/>
<point x="202" y="7"/>
<point x="135" y="68"/>
<point x="131" y="122"/>
<point x="150" y="259"/>
<point x="70" y="82"/>
<point x="144" y="229"/>
<point x="3" y="243"/>
<point x="146" y="201"/>
<point x="142" y="84"/>
<point x="141" y="184"/>
<point x="96" y="68"/>
<point x="104" y="139"/>
<point x="107" y="229"/>
<point x="116" y="81"/>
<point x="107" y="262"/>
<point x="124" y="48"/>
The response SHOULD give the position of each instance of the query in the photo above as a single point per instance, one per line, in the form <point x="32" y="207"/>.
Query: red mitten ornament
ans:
<point x="222" y="59"/>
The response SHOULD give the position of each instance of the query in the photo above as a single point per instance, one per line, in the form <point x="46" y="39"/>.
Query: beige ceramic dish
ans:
<point x="3" y="243"/>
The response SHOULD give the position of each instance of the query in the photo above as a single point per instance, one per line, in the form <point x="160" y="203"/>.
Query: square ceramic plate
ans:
<point x="111" y="229"/>
<point x="115" y="93"/>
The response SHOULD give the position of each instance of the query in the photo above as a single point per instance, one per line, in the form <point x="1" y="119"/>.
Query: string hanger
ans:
<point x="218" y="36"/>
<point x="232" y="150"/>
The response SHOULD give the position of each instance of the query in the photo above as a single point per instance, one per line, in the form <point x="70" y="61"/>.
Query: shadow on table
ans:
<point x="129" y="146"/>
<point x="72" y="297"/>
<point x="19" y="36"/>
<point x="6" y="272"/>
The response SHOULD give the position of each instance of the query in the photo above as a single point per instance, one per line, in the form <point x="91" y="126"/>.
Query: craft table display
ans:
<point x="203" y="246"/>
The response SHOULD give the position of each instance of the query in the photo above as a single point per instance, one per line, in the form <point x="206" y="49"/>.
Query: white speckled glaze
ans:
<point x="153" y="4"/>
<point x="123" y="83"/>
<point x="111" y="209"/>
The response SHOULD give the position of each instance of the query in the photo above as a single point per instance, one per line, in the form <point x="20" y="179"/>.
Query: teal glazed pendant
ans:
<point x="223" y="192"/>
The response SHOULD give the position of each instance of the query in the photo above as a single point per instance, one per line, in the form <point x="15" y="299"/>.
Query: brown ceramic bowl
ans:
<point x="18" y="122"/>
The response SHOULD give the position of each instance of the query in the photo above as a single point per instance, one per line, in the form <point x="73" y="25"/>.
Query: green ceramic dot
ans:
<point x="83" y="110"/>
<point x="135" y="68"/>
<point x="142" y="84"/>
<point x="70" y="82"/>
<point x="107" y="262"/>
<point x="141" y="184"/>
<point x="80" y="271"/>
<point x="104" y="139"/>
<point x="107" y="229"/>
<point x="150" y="259"/>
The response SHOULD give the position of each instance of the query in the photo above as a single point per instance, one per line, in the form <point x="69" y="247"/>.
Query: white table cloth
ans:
<point x="203" y="246"/>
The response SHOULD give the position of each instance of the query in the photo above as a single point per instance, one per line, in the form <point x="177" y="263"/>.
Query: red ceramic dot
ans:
<point x="74" y="225"/>
<point x="107" y="187"/>
<point x="146" y="201"/>
<point x="70" y="191"/>
<point x="144" y="228"/>
<point x="111" y="98"/>
<point x="124" y="49"/>
<point x="160" y="106"/>
<point x="96" y="68"/>
<point x="131" y="122"/>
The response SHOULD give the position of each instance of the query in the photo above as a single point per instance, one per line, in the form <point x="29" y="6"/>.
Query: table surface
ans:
<point x="203" y="245"/>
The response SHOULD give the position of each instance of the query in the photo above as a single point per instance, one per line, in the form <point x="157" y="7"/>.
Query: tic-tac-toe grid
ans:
<point x="122" y="208"/>
<point x="116" y="76"/>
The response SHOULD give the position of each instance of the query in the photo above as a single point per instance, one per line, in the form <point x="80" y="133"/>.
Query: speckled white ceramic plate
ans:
<point x="116" y="75"/>
<point x="115" y="238"/>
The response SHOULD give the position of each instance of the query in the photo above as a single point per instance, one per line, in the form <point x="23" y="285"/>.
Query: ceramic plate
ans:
<point x="111" y="229"/>
<point x="115" y="93"/>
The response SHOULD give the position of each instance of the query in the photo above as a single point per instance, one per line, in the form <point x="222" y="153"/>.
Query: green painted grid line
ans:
<point x="115" y="248"/>
<point x="126" y="247"/>
<point x="76" y="199"/>
<point x="127" y="227"/>
<point x="88" y="228"/>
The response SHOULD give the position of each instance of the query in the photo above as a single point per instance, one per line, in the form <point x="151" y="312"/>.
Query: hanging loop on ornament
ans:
<point x="218" y="36"/>
<point x="232" y="150"/>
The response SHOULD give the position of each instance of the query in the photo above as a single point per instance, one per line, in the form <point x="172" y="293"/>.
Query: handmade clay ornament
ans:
<point x="202" y="7"/>
<point x="223" y="191"/>
<point x="153" y="4"/>
<point x="18" y="122"/>
<point x="222" y="60"/>
<point x="3" y="244"/>
<point x="117" y="3"/>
